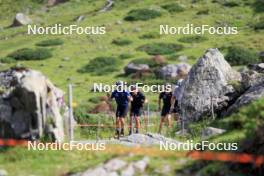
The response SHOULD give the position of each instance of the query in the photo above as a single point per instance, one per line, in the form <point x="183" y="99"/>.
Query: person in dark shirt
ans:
<point x="136" y="107"/>
<point x="165" y="97"/>
<point x="122" y="99"/>
<point x="175" y="108"/>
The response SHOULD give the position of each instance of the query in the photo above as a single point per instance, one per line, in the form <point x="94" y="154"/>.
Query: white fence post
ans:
<point x="70" y="120"/>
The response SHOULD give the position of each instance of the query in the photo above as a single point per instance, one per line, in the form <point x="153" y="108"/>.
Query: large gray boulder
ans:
<point x="207" y="85"/>
<point x="21" y="20"/>
<point x="29" y="106"/>
<point x="134" y="68"/>
<point x="174" y="71"/>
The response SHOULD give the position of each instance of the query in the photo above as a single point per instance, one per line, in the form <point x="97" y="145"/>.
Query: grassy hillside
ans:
<point x="125" y="34"/>
<point x="80" y="49"/>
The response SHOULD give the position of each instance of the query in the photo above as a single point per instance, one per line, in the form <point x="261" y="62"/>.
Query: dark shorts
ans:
<point x="165" y="111"/>
<point x="135" y="112"/>
<point x="121" y="111"/>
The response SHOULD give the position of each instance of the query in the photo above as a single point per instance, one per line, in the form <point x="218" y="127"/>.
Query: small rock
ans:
<point x="21" y="19"/>
<point x="60" y="66"/>
<point x="128" y="171"/>
<point x="3" y="172"/>
<point x="257" y="67"/>
<point x="137" y="29"/>
<point x="133" y="68"/>
<point x="119" y="22"/>
<point x="142" y="164"/>
<point x="211" y="131"/>
<point x="174" y="70"/>
<point x="115" y="164"/>
<point x="99" y="171"/>
<point x="166" y="169"/>
<point x="66" y="59"/>
<point x="183" y="58"/>
<point x="80" y="18"/>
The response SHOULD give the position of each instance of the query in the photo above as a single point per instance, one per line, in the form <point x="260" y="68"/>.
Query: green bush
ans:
<point x="259" y="25"/>
<point x="228" y="3"/>
<point x="203" y="12"/>
<point x="125" y="56"/>
<point x="152" y="35"/>
<point x="174" y="7"/>
<point x="149" y="62"/>
<point x="121" y="42"/>
<point x="160" y="48"/>
<point x="193" y="39"/>
<point x="241" y="56"/>
<point x="231" y="3"/>
<point x="51" y="42"/>
<point x="7" y="60"/>
<point x="31" y="54"/>
<point x="142" y="15"/>
<point x="101" y="65"/>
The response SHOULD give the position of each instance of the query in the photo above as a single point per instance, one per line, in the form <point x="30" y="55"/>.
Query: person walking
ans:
<point x="175" y="108"/>
<point x="122" y="98"/>
<point x="165" y="112"/>
<point x="136" y="108"/>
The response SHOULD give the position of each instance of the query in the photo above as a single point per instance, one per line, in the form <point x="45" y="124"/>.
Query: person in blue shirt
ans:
<point x="122" y="98"/>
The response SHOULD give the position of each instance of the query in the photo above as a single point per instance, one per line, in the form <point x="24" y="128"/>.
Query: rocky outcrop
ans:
<point x="134" y="68"/>
<point x="29" y="106"/>
<point x="207" y="85"/>
<point x="117" y="165"/>
<point x="257" y="67"/>
<point x="21" y="20"/>
<point x="174" y="71"/>
<point x="253" y="93"/>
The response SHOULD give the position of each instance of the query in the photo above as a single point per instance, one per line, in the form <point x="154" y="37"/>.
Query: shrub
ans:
<point x="259" y="24"/>
<point x="203" y="12"/>
<point x="101" y="65"/>
<point x="31" y="54"/>
<point x="142" y="14"/>
<point x="174" y="7"/>
<point x="51" y="42"/>
<point x="121" y="42"/>
<point x="241" y="56"/>
<point x="193" y="39"/>
<point x="7" y="60"/>
<point x="160" y="48"/>
<point x="125" y="56"/>
<point x="151" y="35"/>
<point x="231" y="3"/>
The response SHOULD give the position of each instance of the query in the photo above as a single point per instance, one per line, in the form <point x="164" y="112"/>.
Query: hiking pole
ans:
<point x="147" y="118"/>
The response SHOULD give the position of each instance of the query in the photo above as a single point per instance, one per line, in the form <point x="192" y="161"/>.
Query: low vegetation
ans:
<point x="101" y="66"/>
<point x="121" y="42"/>
<point x="151" y="35"/>
<point x="193" y="39"/>
<point x="51" y="42"/>
<point x="241" y="56"/>
<point x="7" y="60"/>
<point x="259" y="25"/>
<point x="174" y="7"/>
<point x="31" y="54"/>
<point x="142" y="15"/>
<point x="160" y="48"/>
<point x="125" y="56"/>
